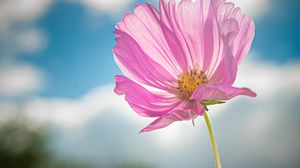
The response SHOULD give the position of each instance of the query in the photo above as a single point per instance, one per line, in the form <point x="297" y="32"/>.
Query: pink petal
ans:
<point x="226" y="70"/>
<point x="142" y="101"/>
<point x="186" y="20"/>
<point x="190" y="25"/>
<point x="145" y="27"/>
<point x="139" y="66"/>
<point x="209" y="31"/>
<point x="213" y="43"/>
<point x="239" y="42"/>
<point x="172" y="40"/>
<point x="219" y="92"/>
<point x="196" y="26"/>
<point x="185" y="111"/>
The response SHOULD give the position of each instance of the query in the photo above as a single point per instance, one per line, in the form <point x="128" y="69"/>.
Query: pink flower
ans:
<point x="180" y="56"/>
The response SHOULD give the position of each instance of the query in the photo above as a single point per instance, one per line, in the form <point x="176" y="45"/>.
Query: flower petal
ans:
<point x="240" y="41"/>
<point x="196" y="26"/>
<point x="226" y="70"/>
<point x="237" y="33"/>
<point x="186" y="19"/>
<point x="219" y="92"/>
<point x="138" y="65"/>
<point x="213" y="43"/>
<point x="145" y="28"/>
<point x="209" y="31"/>
<point x="185" y="111"/>
<point x="142" y="101"/>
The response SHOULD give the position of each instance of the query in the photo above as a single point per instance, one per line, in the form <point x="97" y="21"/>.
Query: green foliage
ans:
<point x="21" y="146"/>
<point x="25" y="145"/>
<point x="206" y="103"/>
<point x="211" y="102"/>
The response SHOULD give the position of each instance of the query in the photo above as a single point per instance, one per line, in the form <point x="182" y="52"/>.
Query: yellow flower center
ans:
<point x="189" y="81"/>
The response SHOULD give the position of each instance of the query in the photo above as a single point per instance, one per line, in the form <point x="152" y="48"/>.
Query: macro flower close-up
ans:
<point x="180" y="59"/>
<point x="149" y="84"/>
<point x="188" y="51"/>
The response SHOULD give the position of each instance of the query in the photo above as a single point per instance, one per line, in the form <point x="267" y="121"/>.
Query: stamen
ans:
<point x="189" y="81"/>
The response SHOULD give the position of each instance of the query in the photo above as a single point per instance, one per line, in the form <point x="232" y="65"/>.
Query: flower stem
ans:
<point x="213" y="141"/>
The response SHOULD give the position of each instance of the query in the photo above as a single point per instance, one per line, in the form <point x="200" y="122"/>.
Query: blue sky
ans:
<point x="79" y="55"/>
<point x="56" y="65"/>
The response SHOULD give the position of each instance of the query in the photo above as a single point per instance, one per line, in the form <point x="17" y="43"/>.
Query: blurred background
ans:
<point x="58" y="109"/>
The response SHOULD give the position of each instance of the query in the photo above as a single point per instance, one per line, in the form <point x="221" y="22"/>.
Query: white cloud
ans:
<point x="254" y="8"/>
<point x="22" y="41"/>
<point x="28" y="38"/>
<point x="73" y="113"/>
<point x="268" y="79"/>
<point x="14" y="11"/>
<point x="109" y="6"/>
<point x="31" y="40"/>
<point x="19" y="80"/>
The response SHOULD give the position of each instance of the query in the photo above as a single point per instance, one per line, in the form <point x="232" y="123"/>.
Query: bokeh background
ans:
<point x="58" y="109"/>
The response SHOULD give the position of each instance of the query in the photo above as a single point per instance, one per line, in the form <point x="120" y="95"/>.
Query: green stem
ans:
<point x="213" y="141"/>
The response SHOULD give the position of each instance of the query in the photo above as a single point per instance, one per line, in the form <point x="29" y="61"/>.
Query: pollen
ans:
<point x="189" y="81"/>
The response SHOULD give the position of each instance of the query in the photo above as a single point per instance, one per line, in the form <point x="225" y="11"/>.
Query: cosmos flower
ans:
<point x="180" y="58"/>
